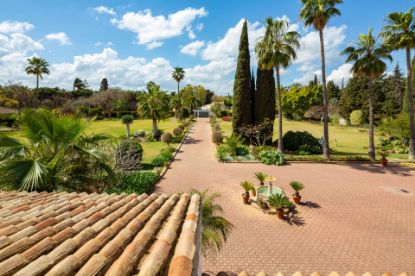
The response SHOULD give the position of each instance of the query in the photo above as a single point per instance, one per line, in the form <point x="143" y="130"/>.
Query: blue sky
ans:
<point x="133" y="42"/>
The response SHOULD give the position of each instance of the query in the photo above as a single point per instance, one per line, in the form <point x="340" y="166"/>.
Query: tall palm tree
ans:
<point x="154" y="105"/>
<point x="178" y="75"/>
<point x="317" y="13"/>
<point x="277" y="50"/>
<point x="399" y="33"/>
<point x="57" y="154"/>
<point x="215" y="228"/>
<point x="368" y="55"/>
<point x="37" y="66"/>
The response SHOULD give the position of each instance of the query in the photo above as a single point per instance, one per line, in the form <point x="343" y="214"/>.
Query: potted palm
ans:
<point x="279" y="202"/>
<point x="261" y="177"/>
<point x="383" y="160"/>
<point x="297" y="187"/>
<point x="247" y="186"/>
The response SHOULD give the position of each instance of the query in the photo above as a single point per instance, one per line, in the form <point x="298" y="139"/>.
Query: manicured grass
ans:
<point x="117" y="129"/>
<point x="346" y="141"/>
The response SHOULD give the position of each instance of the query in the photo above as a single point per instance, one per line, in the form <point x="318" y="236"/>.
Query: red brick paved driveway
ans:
<point x="358" y="219"/>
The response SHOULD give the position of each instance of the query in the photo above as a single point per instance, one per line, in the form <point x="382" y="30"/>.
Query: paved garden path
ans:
<point x="358" y="216"/>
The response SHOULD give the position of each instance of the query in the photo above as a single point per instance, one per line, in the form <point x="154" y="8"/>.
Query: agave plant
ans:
<point x="261" y="177"/>
<point x="54" y="154"/>
<point x="215" y="228"/>
<point x="297" y="187"/>
<point x="247" y="186"/>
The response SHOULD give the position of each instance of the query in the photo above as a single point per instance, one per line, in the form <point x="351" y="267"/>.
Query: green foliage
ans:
<point x="167" y="138"/>
<point x="297" y="187"/>
<point x="242" y="84"/>
<point x="104" y="85"/>
<point x="265" y="96"/>
<point x="37" y="66"/>
<point x="396" y="127"/>
<point x="127" y="119"/>
<point x="247" y="186"/>
<point x="215" y="228"/>
<point x="301" y="140"/>
<point x="177" y="131"/>
<point x="261" y="177"/>
<point x="217" y="137"/>
<point x="139" y="182"/>
<point x="233" y="144"/>
<point x="128" y="155"/>
<point x="279" y="201"/>
<point x="164" y="157"/>
<point x="272" y="157"/>
<point x="357" y="118"/>
<point x="296" y="100"/>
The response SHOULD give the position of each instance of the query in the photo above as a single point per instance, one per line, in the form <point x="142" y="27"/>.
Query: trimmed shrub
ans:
<point x="294" y="140"/>
<point x="272" y="157"/>
<point x="217" y="137"/>
<point x="177" y="131"/>
<point x="167" y="138"/>
<point x="128" y="155"/>
<point x="357" y="118"/>
<point x="162" y="158"/>
<point x="138" y="182"/>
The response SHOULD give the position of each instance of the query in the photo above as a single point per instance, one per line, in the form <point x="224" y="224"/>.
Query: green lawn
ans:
<point x="117" y="129"/>
<point x="343" y="140"/>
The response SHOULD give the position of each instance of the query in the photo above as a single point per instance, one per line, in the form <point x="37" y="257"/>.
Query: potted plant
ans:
<point x="297" y="187"/>
<point x="261" y="177"/>
<point x="247" y="186"/>
<point x="279" y="202"/>
<point x="383" y="161"/>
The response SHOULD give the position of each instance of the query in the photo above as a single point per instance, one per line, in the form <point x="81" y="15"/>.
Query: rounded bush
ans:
<point x="357" y="118"/>
<point x="128" y="155"/>
<point x="177" y="131"/>
<point x="167" y="138"/>
<point x="294" y="140"/>
<point x="127" y="119"/>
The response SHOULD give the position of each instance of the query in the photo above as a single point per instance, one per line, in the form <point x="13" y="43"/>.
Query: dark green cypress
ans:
<point x="242" y="85"/>
<point x="265" y="95"/>
<point x="252" y="98"/>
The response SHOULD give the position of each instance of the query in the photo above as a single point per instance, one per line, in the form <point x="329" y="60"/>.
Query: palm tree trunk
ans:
<point x="37" y="81"/>
<point x="411" y="106"/>
<point x="371" y="150"/>
<point x="280" y="142"/>
<point x="155" y="127"/>
<point x="326" y="153"/>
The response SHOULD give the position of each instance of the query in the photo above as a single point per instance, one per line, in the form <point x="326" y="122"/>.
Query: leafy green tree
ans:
<point x="104" y="85"/>
<point x="57" y="154"/>
<point x="368" y="56"/>
<point x="216" y="228"/>
<point x="37" y="66"/>
<point x="333" y="91"/>
<point x="297" y="99"/>
<point x="399" y="33"/>
<point x="317" y="13"/>
<point x="178" y="75"/>
<point x="127" y="120"/>
<point x="228" y="102"/>
<point x="277" y="50"/>
<point x="153" y="104"/>
<point x="242" y="84"/>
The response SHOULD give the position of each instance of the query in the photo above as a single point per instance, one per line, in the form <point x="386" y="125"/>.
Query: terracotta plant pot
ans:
<point x="280" y="213"/>
<point x="245" y="198"/>
<point x="253" y="193"/>
<point x="297" y="199"/>
<point x="384" y="162"/>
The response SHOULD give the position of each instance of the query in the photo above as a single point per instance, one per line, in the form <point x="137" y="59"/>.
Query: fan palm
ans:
<point x="368" y="55"/>
<point x="317" y="13"/>
<point x="127" y="120"/>
<point x="56" y="154"/>
<point x="178" y="75"/>
<point x="154" y="105"/>
<point x="37" y="66"/>
<point x="277" y="50"/>
<point x="215" y="228"/>
<point x="399" y="33"/>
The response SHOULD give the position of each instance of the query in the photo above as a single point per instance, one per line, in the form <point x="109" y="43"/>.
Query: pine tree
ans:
<point x="265" y="96"/>
<point x="104" y="84"/>
<point x="333" y="90"/>
<point x="242" y="84"/>
<point x="252" y="98"/>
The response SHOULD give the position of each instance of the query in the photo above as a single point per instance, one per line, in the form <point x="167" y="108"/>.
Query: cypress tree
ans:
<point x="104" y="84"/>
<point x="265" y="96"/>
<point x="252" y="98"/>
<point x="242" y="85"/>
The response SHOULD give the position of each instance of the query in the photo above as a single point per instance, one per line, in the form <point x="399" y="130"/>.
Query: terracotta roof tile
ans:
<point x="88" y="234"/>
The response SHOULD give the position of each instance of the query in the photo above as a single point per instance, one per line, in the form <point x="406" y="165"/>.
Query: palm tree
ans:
<point x="127" y="120"/>
<point x="317" y="13"/>
<point x="215" y="228"/>
<point x="399" y="33"/>
<point x="178" y="75"/>
<point x="37" y="66"/>
<point x="277" y="50"/>
<point x="154" y="105"/>
<point x="368" y="55"/>
<point x="57" y="155"/>
<point x="176" y="104"/>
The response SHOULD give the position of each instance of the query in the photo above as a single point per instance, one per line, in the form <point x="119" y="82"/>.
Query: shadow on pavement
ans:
<point x="376" y="168"/>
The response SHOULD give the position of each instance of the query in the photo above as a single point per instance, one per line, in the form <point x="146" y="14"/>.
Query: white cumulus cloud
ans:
<point x="342" y="73"/>
<point x="192" y="48"/>
<point x="61" y="37"/>
<point x="15" y="27"/>
<point x="152" y="30"/>
<point x="103" y="9"/>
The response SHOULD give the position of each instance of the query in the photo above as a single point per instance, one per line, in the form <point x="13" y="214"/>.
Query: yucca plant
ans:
<point x="215" y="228"/>
<point x="297" y="187"/>
<point x="261" y="177"/>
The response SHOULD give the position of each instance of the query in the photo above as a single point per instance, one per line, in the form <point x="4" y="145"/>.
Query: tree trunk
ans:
<point x="326" y="153"/>
<point x="155" y="127"/>
<point x="371" y="150"/>
<point x="410" y="106"/>
<point x="37" y="81"/>
<point x="127" y="127"/>
<point x="280" y="142"/>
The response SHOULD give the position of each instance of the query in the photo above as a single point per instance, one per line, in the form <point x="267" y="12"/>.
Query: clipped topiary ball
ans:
<point x="167" y="138"/>
<point x="177" y="131"/>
